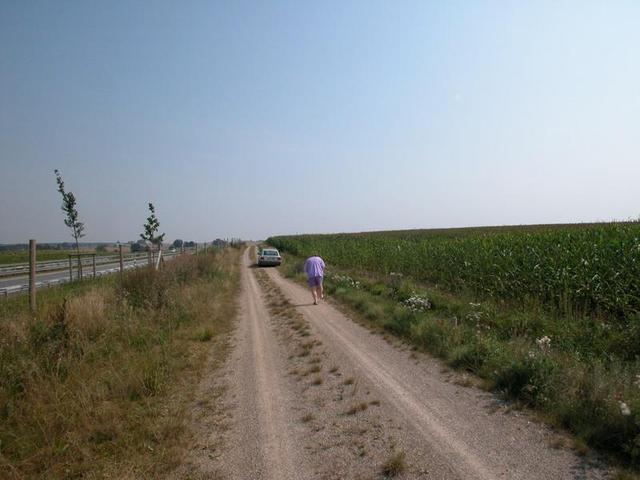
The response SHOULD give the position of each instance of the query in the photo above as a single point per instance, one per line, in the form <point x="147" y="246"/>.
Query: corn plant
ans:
<point x="591" y="268"/>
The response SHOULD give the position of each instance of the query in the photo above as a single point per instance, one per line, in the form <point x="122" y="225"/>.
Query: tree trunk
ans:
<point x="159" y="257"/>
<point x="79" y="259"/>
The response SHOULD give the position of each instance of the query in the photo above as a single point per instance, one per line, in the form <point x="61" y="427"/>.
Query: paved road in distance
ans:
<point x="21" y="283"/>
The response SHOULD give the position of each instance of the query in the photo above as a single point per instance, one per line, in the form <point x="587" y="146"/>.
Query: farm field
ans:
<point x="22" y="256"/>
<point x="546" y="315"/>
<point x="593" y="268"/>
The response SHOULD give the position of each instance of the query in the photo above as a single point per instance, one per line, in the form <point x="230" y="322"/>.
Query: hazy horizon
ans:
<point x="168" y="241"/>
<point x="251" y="119"/>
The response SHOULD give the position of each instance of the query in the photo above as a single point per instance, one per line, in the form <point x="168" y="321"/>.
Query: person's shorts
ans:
<point x="314" y="281"/>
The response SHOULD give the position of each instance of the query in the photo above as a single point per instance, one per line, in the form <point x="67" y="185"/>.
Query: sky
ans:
<point x="255" y="118"/>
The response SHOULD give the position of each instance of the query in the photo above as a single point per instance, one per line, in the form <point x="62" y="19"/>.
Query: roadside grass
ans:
<point x="582" y="373"/>
<point x="95" y="385"/>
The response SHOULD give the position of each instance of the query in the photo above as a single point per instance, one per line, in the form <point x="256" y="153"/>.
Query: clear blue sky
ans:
<point x="256" y="118"/>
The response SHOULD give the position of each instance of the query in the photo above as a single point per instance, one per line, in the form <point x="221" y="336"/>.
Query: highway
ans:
<point x="14" y="269"/>
<point x="20" y="283"/>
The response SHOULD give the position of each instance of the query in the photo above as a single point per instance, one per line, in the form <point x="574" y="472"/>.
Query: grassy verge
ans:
<point x="581" y="373"/>
<point x="96" y="384"/>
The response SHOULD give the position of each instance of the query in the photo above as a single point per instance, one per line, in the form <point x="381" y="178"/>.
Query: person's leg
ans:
<point x="312" y="286"/>
<point x="321" y="290"/>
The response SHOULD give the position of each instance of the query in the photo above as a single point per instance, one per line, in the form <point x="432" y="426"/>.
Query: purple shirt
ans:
<point x="314" y="267"/>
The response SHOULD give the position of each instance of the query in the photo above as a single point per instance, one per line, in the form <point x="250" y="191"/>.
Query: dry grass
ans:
<point x="307" y="418"/>
<point x="96" y="384"/>
<point x="356" y="408"/>
<point x="394" y="465"/>
<point x="624" y="474"/>
<point x="559" y="442"/>
<point x="463" y="380"/>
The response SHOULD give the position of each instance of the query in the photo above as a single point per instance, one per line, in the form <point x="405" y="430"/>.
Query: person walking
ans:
<point x="314" y="268"/>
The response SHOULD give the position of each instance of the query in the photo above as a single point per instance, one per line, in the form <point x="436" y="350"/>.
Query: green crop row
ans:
<point x="592" y="269"/>
<point x="546" y="315"/>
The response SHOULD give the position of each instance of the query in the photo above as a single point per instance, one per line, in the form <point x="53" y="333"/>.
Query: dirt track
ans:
<point x="310" y="394"/>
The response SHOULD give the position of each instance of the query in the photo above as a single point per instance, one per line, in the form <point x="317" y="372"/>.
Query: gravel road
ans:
<point x="309" y="394"/>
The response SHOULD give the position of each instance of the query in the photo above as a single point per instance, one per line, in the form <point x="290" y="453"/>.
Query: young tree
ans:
<point x="72" y="220"/>
<point x="151" y="229"/>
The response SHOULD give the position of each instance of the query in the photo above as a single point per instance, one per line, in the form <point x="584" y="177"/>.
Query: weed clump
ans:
<point x="395" y="464"/>
<point x="357" y="408"/>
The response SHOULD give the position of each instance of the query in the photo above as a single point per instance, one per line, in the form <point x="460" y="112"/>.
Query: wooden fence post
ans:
<point x="94" y="265"/>
<point x="32" y="275"/>
<point x="70" y="270"/>
<point x="121" y="262"/>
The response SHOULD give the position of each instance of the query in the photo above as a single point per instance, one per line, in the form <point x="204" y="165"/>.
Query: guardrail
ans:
<point x="24" y="287"/>
<point x="13" y="272"/>
<point x="6" y="291"/>
<point x="14" y="269"/>
<point x="50" y="265"/>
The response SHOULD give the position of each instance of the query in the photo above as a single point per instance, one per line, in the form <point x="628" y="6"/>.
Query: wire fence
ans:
<point x="23" y="277"/>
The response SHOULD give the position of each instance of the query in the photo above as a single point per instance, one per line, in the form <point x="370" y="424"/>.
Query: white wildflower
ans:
<point x="544" y="343"/>
<point x="417" y="303"/>
<point x="345" y="281"/>
<point x="625" y="411"/>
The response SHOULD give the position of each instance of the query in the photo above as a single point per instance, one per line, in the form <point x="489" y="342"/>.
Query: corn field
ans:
<point x="586" y="268"/>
